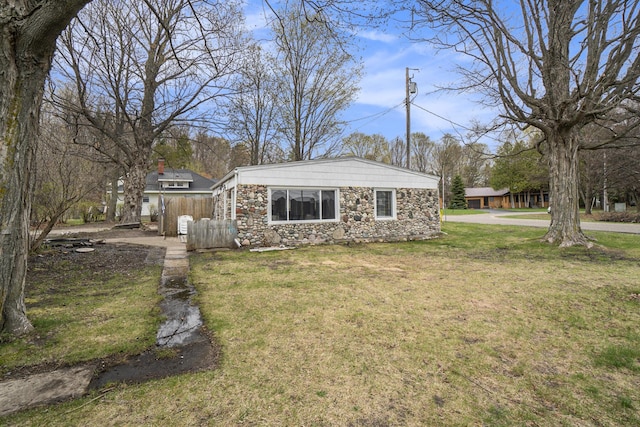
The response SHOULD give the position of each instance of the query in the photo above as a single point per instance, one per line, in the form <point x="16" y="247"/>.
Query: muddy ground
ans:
<point x="116" y="258"/>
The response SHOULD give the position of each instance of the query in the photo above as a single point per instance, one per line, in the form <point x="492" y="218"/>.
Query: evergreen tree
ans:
<point x="457" y="194"/>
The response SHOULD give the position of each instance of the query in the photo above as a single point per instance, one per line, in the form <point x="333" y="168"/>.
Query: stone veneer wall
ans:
<point x="222" y="206"/>
<point x="417" y="218"/>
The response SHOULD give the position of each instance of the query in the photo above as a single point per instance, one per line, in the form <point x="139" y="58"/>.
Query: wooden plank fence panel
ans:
<point x="210" y="234"/>
<point x="197" y="207"/>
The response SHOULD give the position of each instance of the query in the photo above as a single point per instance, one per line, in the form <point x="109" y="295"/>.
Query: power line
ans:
<point x="455" y="123"/>
<point x="443" y="118"/>
<point x="382" y="113"/>
<point x="373" y="117"/>
<point x="376" y="115"/>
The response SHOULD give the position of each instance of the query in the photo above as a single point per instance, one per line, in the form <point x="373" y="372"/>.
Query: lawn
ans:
<point x="485" y="326"/>
<point x="462" y="211"/>
<point x="86" y="306"/>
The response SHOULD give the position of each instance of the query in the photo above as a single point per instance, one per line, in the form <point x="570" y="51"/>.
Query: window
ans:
<point x="303" y="205"/>
<point x="145" y="199"/>
<point x="175" y="184"/>
<point x="385" y="204"/>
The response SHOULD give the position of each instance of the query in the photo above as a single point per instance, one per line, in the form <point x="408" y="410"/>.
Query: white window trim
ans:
<point x="393" y="204"/>
<point x="312" y="221"/>
<point x="175" y="184"/>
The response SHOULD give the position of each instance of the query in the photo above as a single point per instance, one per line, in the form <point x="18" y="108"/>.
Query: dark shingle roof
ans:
<point x="197" y="182"/>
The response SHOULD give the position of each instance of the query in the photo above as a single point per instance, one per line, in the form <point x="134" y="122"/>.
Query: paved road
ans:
<point x="498" y="217"/>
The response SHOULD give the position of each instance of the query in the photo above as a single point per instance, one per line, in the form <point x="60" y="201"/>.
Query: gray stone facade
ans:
<point x="417" y="218"/>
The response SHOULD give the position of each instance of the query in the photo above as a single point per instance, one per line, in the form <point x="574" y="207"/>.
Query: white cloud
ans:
<point x="378" y="36"/>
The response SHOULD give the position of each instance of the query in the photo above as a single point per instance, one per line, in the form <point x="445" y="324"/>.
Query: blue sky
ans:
<point x="379" y="106"/>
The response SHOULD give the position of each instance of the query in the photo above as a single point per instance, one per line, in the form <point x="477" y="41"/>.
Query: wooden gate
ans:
<point x="197" y="207"/>
<point x="209" y="234"/>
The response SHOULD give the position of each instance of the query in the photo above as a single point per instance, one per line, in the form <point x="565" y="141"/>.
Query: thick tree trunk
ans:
<point x="28" y="33"/>
<point x="565" y="227"/>
<point x="21" y="83"/>
<point x="134" y="185"/>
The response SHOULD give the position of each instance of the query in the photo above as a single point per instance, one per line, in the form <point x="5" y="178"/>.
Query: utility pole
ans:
<point x="410" y="88"/>
<point x="408" y="104"/>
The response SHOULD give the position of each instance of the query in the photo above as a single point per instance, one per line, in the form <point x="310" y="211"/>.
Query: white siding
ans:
<point x="348" y="172"/>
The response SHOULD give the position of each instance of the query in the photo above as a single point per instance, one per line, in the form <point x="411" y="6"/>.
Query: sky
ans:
<point x="379" y="107"/>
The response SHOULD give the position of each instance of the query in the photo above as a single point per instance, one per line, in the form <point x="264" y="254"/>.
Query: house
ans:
<point x="488" y="198"/>
<point x="166" y="183"/>
<point x="326" y="201"/>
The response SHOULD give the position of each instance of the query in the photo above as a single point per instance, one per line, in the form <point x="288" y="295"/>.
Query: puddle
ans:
<point x="181" y="331"/>
<point x="183" y="319"/>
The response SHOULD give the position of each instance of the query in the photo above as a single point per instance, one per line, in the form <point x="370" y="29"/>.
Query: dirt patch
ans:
<point x="54" y="263"/>
<point x="157" y="363"/>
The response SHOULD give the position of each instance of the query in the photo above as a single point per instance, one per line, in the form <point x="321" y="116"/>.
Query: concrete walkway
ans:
<point x="499" y="218"/>
<point x="63" y="384"/>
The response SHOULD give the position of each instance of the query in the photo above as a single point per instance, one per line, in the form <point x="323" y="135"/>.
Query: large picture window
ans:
<point x="385" y="204"/>
<point x="303" y="204"/>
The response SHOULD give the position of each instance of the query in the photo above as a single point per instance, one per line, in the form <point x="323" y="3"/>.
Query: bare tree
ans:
<point x="476" y="164"/>
<point x="422" y="153"/>
<point x="592" y="176"/>
<point x="554" y="65"/>
<point x="372" y="147"/>
<point x="212" y="155"/>
<point x="64" y="177"/>
<point x="317" y="80"/>
<point x="447" y="160"/>
<point x="151" y="66"/>
<point x="622" y="175"/>
<point x="252" y="107"/>
<point x="398" y="152"/>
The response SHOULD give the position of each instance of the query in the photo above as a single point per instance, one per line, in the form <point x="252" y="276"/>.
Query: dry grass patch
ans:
<point x="483" y="327"/>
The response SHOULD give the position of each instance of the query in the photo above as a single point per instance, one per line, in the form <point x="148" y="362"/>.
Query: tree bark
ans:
<point x="28" y="33"/>
<point x="112" y="204"/>
<point x="563" y="184"/>
<point x="133" y="190"/>
<point x="42" y="235"/>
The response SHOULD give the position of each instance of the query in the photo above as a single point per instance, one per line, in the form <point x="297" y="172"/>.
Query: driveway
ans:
<point x="133" y="237"/>
<point x="499" y="218"/>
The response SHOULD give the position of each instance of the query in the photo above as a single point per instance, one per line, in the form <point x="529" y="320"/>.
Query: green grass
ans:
<point x="83" y="315"/>
<point x="546" y="217"/>
<point x="462" y="211"/>
<point x="485" y="326"/>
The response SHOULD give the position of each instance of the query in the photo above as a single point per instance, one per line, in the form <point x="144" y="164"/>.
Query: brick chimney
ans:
<point x="160" y="166"/>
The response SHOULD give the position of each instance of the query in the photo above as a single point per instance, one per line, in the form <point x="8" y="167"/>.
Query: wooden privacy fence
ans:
<point x="197" y="207"/>
<point x="209" y="234"/>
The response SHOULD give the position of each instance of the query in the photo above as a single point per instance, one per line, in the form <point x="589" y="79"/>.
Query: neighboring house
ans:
<point x="488" y="198"/>
<point x="166" y="183"/>
<point x="326" y="201"/>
